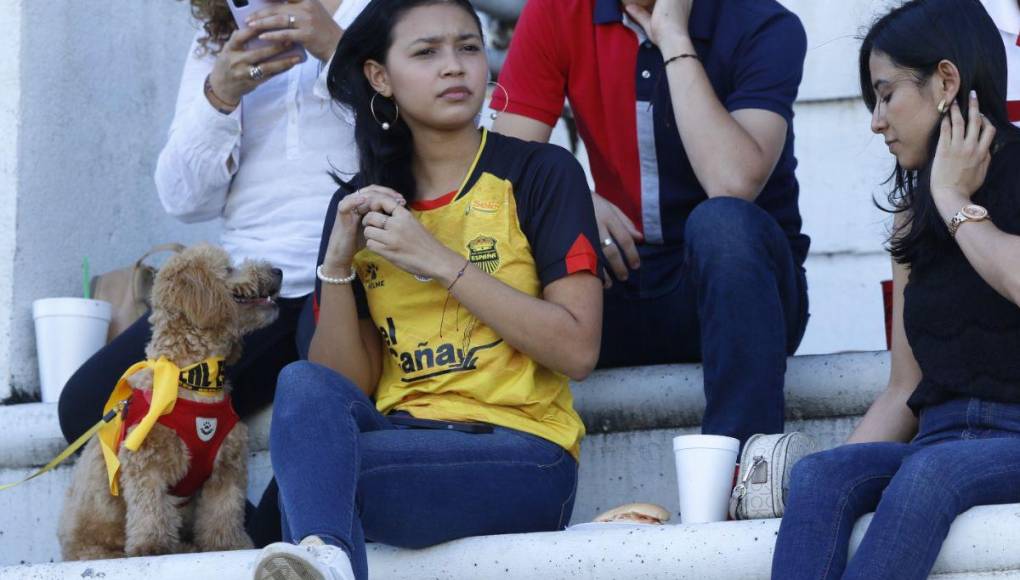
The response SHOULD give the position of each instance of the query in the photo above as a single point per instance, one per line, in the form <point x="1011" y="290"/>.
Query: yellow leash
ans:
<point x="78" y="444"/>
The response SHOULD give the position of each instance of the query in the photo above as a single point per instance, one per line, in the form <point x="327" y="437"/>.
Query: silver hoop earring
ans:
<point x="384" y="124"/>
<point x="506" y="100"/>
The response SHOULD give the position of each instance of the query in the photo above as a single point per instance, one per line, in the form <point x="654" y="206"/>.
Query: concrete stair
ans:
<point x="632" y="415"/>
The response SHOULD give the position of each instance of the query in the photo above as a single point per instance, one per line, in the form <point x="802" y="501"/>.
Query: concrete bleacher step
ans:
<point x="724" y="551"/>
<point x="632" y="415"/>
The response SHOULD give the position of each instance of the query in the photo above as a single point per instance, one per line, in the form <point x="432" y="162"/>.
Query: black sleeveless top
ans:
<point x="965" y="335"/>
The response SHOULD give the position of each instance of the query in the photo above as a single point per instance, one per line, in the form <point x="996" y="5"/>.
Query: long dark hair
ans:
<point x="384" y="155"/>
<point x="918" y="36"/>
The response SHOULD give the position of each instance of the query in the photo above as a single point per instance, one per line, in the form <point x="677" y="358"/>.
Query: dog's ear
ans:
<point x="188" y="285"/>
<point x="204" y="299"/>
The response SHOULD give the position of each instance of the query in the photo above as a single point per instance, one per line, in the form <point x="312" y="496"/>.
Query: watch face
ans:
<point x="975" y="212"/>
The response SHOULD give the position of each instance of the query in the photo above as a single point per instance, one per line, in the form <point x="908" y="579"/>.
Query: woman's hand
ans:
<point x="962" y="158"/>
<point x="299" y="21"/>
<point x="231" y="77"/>
<point x="347" y="238"/>
<point x="393" y="232"/>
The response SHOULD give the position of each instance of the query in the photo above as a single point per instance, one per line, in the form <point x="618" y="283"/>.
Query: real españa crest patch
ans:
<point x="483" y="254"/>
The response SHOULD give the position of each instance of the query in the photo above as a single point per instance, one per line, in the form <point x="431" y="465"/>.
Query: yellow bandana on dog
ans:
<point x="205" y="378"/>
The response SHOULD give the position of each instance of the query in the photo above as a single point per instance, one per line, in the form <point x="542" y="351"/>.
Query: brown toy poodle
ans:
<point x="183" y="489"/>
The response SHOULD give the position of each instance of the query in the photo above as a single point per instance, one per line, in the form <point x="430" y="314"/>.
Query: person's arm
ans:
<point x="961" y="165"/>
<point x="535" y="78"/>
<point x="522" y="127"/>
<point x="733" y="147"/>
<point x="889" y="418"/>
<point x="345" y="339"/>
<point x="560" y="330"/>
<point x="196" y="165"/>
<point x="201" y="156"/>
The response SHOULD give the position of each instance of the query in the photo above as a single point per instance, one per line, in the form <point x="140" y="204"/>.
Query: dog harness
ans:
<point x="202" y="426"/>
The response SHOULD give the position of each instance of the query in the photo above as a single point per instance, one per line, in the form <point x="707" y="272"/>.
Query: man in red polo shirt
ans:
<point x="686" y="110"/>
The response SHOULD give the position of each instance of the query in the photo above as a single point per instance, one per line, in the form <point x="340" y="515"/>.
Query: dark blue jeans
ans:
<point x="346" y="474"/>
<point x="733" y="297"/>
<point x="966" y="453"/>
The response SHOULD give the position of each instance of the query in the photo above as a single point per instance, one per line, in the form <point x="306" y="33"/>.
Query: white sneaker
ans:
<point x="310" y="560"/>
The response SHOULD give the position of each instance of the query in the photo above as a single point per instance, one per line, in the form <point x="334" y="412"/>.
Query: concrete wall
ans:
<point x="86" y="101"/>
<point x="10" y="97"/>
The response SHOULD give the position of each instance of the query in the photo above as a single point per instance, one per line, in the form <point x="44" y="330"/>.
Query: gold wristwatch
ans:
<point x="969" y="213"/>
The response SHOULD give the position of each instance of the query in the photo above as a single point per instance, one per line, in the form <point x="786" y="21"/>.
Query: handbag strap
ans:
<point x="171" y="247"/>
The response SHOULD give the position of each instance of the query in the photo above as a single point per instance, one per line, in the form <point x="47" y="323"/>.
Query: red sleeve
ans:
<point x="535" y="71"/>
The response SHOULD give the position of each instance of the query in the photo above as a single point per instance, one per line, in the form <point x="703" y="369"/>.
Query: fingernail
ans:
<point x="973" y="94"/>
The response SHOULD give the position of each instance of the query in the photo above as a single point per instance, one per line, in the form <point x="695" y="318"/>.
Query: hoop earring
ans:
<point x="506" y="100"/>
<point x="384" y="124"/>
<point x="942" y="106"/>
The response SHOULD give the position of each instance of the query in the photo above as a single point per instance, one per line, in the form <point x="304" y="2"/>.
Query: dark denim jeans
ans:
<point x="346" y="474"/>
<point x="966" y="453"/>
<point x="733" y="297"/>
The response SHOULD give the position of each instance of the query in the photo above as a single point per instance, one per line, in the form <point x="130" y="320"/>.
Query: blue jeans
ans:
<point x="347" y="475"/>
<point x="966" y="453"/>
<point x="733" y="297"/>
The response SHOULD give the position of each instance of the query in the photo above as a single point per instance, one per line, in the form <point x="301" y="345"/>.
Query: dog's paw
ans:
<point x="154" y="547"/>
<point x="226" y="541"/>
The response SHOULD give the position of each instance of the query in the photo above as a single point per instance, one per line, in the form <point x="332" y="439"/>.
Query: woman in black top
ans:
<point x="929" y="69"/>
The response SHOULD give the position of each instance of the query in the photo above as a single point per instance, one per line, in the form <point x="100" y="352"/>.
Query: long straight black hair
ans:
<point x="384" y="155"/>
<point x="918" y="35"/>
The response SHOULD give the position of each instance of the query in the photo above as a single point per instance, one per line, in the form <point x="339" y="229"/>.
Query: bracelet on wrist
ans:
<point x="680" y="57"/>
<point x="218" y="103"/>
<point x="458" y="276"/>
<point x="338" y="281"/>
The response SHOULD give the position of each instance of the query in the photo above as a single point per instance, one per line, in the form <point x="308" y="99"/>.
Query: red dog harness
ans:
<point x="202" y="426"/>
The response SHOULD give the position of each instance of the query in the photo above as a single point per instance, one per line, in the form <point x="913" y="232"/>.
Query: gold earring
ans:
<point x="941" y="106"/>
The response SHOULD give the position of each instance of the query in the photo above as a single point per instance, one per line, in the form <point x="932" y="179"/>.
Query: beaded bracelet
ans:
<point x="329" y="280"/>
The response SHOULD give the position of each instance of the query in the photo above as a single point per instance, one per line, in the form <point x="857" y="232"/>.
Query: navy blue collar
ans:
<point x="703" y="15"/>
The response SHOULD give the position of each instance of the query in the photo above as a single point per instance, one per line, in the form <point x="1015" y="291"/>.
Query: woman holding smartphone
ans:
<point x="252" y="143"/>
<point x="933" y="74"/>
<point x="459" y="291"/>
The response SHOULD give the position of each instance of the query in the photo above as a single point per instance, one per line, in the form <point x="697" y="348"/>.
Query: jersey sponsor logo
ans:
<point x="371" y="277"/>
<point x="483" y="254"/>
<point x="206" y="428"/>
<point x="425" y="361"/>
<point x="486" y="206"/>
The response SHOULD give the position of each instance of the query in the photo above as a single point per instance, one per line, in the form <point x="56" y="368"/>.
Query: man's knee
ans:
<point x="727" y="228"/>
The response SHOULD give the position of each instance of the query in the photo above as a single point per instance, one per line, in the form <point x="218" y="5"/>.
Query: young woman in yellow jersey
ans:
<point x="458" y="291"/>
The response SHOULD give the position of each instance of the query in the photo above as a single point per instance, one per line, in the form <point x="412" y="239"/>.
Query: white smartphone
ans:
<point x="242" y="9"/>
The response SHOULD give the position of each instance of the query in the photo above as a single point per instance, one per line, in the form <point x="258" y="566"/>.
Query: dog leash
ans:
<point x="76" y="445"/>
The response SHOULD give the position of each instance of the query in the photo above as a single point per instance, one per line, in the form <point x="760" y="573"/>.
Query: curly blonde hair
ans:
<point x="217" y="21"/>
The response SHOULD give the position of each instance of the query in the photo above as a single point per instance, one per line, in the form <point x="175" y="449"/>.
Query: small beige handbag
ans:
<point x="764" y="479"/>
<point x="127" y="290"/>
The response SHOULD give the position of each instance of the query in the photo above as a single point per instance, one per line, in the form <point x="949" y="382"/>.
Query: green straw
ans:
<point x="85" y="278"/>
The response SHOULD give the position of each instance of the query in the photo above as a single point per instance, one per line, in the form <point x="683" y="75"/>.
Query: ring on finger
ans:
<point x="607" y="242"/>
<point x="291" y="21"/>
<point x="256" y="73"/>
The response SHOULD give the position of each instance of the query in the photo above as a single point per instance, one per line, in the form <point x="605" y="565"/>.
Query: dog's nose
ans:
<point x="278" y="273"/>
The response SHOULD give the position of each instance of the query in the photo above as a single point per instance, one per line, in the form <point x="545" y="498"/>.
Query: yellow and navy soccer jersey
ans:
<point x="524" y="216"/>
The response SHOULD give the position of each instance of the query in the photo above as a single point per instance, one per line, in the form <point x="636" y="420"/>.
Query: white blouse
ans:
<point x="265" y="167"/>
